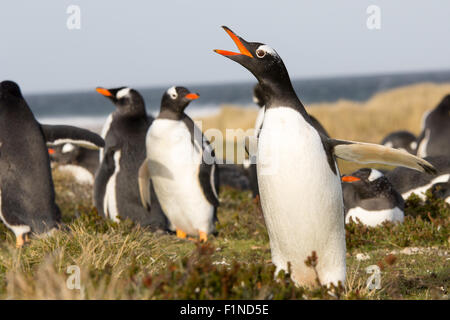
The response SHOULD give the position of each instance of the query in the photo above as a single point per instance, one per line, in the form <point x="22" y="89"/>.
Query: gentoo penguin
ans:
<point x="116" y="187"/>
<point x="403" y="140"/>
<point x="27" y="196"/>
<point x="434" y="139"/>
<point x="298" y="179"/>
<point x="407" y="181"/>
<point x="80" y="162"/>
<point x="371" y="198"/>
<point x="182" y="167"/>
<point x="441" y="190"/>
<point x="250" y="168"/>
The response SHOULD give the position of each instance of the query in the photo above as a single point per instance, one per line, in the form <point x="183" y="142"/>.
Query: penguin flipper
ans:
<point x="144" y="184"/>
<point x="209" y="176"/>
<point x="373" y="153"/>
<point x="59" y="134"/>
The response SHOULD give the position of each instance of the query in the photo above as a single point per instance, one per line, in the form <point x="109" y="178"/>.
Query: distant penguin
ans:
<point x="298" y="178"/>
<point x="434" y="139"/>
<point x="27" y="196"/>
<point x="441" y="190"/>
<point x="80" y="162"/>
<point x="116" y="187"/>
<point x="403" y="140"/>
<point x="182" y="167"/>
<point x="371" y="198"/>
<point x="407" y="181"/>
<point x="250" y="168"/>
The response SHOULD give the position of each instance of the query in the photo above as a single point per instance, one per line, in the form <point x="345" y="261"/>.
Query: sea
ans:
<point x="89" y="109"/>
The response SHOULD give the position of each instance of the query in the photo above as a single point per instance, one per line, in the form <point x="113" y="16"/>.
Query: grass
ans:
<point x="123" y="261"/>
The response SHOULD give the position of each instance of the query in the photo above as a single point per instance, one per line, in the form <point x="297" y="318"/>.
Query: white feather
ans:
<point x="420" y="191"/>
<point x="301" y="198"/>
<point x="174" y="167"/>
<point x="374" y="175"/>
<point x="123" y="93"/>
<point x="375" y="218"/>
<point x="110" y="200"/>
<point x="18" y="230"/>
<point x="104" y="133"/>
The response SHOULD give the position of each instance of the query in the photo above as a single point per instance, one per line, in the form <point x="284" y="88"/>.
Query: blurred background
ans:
<point x="334" y="59"/>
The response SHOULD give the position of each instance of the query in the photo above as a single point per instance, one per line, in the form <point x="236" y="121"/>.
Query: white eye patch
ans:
<point x="172" y="91"/>
<point x="265" y="49"/>
<point x="122" y="93"/>
<point x="374" y="175"/>
<point x="68" y="147"/>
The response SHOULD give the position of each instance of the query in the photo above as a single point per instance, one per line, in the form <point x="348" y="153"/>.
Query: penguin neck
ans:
<point x="169" y="114"/>
<point x="281" y="93"/>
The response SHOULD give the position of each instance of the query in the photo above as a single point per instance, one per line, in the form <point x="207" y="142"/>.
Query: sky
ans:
<point x="163" y="43"/>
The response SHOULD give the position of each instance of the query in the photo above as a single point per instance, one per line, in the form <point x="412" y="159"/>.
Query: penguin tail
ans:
<point x="144" y="184"/>
<point x="373" y="153"/>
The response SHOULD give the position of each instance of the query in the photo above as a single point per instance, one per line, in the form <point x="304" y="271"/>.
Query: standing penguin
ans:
<point x="116" y="188"/>
<point x="371" y="198"/>
<point x="27" y="196"/>
<point x="434" y="139"/>
<point x="298" y="178"/>
<point x="182" y="167"/>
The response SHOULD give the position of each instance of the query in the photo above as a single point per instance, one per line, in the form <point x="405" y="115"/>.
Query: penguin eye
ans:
<point x="174" y="96"/>
<point x="260" y="53"/>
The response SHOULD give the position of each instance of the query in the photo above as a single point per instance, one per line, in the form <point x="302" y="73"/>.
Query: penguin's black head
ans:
<point x="9" y="90"/>
<point x="363" y="175"/>
<point x="263" y="62"/>
<point x="176" y="99"/>
<point x="258" y="95"/>
<point x="126" y="100"/>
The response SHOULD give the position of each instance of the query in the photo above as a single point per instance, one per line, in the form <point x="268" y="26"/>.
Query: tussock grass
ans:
<point x="124" y="261"/>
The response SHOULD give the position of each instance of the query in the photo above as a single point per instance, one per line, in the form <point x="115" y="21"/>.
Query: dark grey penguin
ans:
<point x="434" y="139"/>
<point x="407" y="181"/>
<point x="116" y="187"/>
<point x="27" y="196"/>
<point x="403" y="140"/>
<point x="371" y="198"/>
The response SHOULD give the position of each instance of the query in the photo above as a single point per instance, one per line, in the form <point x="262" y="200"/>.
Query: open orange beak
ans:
<point x="192" y="96"/>
<point x="238" y="41"/>
<point x="104" y="92"/>
<point x="350" y="179"/>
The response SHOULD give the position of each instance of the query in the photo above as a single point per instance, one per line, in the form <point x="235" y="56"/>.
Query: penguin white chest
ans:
<point x="174" y="165"/>
<point x="301" y="198"/>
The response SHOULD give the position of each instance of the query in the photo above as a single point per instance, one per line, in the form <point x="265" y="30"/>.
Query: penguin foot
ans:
<point x="203" y="236"/>
<point x="181" y="234"/>
<point x="20" y="241"/>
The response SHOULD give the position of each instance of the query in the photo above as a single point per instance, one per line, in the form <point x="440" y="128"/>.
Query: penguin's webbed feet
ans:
<point x="21" y="240"/>
<point x="181" y="234"/>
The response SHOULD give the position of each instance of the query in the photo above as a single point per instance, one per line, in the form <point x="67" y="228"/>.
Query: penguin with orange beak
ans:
<point x="298" y="178"/>
<point x="182" y="168"/>
<point x="116" y="188"/>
